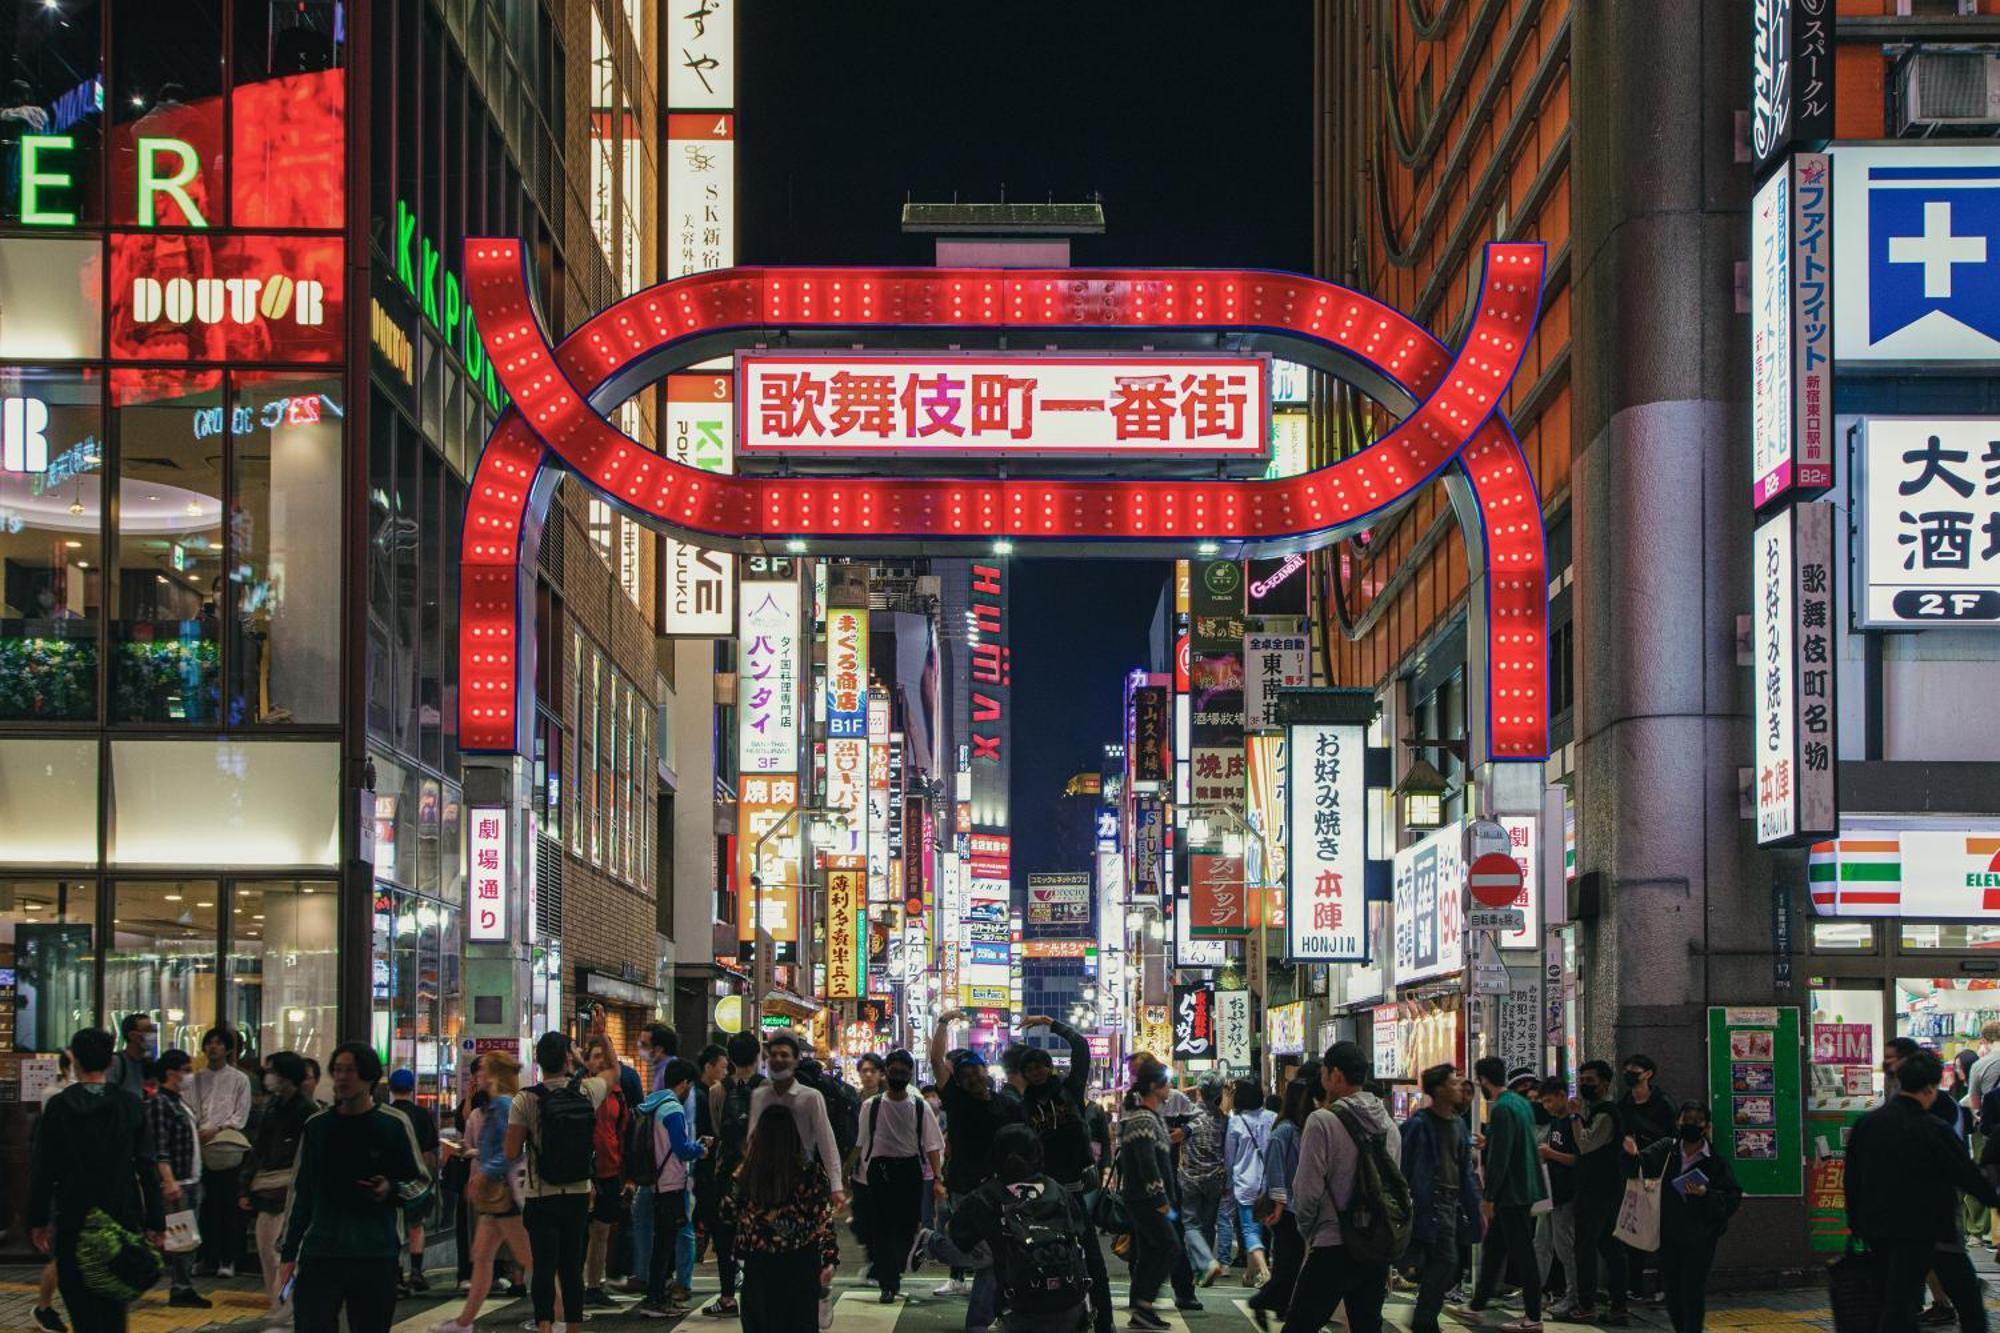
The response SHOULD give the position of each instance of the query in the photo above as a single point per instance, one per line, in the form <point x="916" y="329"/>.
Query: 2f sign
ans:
<point x="24" y="438"/>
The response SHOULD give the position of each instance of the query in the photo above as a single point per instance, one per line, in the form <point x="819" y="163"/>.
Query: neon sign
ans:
<point x="302" y="410"/>
<point x="155" y="177"/>
<point x="420" y="267"/>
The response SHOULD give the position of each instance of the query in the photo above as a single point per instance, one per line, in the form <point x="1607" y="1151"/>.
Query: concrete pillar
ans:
<point x="1660" y="497"/>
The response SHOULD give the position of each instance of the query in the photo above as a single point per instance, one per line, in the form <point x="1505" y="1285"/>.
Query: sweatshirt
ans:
<point x="1512" y="1166"/>
<point x="1328" y="1159"/>
<point x="1145" y="1157"/>
<point x="331" y="1216"/>
<point x="1243" y="1148"/>
<point x="94" y="1149"/>
<point x="673" y="1146"/>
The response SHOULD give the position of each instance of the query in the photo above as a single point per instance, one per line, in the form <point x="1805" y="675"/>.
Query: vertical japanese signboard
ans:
<point x="1792" y="649"/>
<point x="1217" y="903"/>
<point x="1232" y="1030"/>
<point x="767" y="685"/>
<point x="1269" y="806"/>
<point x="878" y="799"/>
<point x="1791" y="308"/>
<point x="1791" y="76"/>
<point x="1150" y="743"/>
<point x="992" y="676"/>
<point x="1216" y="739"/>
<point x="765" y="805"/>
<point x="1928" y="550"/>
<point x="700" y="54"/>
<point x="1271" y="662"/>
<point x="1194" y="1022"/>
<point x="846" y="672"/>
<point x="1429" y="907"/>
<point x="486" y="918"/>
<point x="844" y="959"/>
<point x="698" y="593"/>
<point x="1325" y="918"/>
<point x="701" y="191"/>
<point x="1754" y="1098"/>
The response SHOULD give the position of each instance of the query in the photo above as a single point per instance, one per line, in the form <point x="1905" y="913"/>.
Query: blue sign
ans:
<point x="1917" y="253"/>
<point x="996" y="955"/>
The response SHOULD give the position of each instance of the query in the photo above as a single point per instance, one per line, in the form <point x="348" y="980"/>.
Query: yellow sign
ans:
<point x="846" y="893"/>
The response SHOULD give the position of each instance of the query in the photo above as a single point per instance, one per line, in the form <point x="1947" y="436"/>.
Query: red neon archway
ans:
<point x="1456" y="418"/>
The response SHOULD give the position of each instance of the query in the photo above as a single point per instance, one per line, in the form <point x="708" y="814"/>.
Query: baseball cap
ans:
<point x="402" y="1081"/>
<point x="967" y="1058"/>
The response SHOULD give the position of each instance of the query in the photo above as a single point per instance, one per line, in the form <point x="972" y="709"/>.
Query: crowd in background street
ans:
<point x="584" y="1178"/>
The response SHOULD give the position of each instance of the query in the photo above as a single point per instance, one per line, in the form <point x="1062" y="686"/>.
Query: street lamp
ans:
<point x="1422" y="790"/>
<point x="824" y="820"/>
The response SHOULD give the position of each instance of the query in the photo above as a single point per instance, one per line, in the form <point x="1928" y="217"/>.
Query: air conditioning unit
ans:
<point x="1948" y="92"/>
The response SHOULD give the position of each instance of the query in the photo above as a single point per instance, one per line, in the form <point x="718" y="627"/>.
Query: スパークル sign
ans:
<point x="1917" y="244"/>
<point x="1792" y="652"/>
<point x="1791" y="76"/>
<point x="1791" y="307"/>
<point x="1325" y="920"/>
<point x="884" y="405"/>
<point x="1928" y="551"/>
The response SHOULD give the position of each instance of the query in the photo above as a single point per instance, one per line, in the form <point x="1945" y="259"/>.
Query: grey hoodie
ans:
<point x="1328" y="1156"/>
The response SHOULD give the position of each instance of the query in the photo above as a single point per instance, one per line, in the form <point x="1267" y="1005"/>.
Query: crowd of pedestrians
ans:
<point x="586" y="1176"/>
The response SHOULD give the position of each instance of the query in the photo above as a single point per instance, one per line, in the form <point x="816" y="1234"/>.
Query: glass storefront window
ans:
<point x="162" y="958"/>
<point x="284" y="970"/>
<point x="166" y="113"/>
<point x="52" y="289"/>
<point x="284" y="572"/>
<point x="48" y="801"/>
<point x="167" y="602"/>
<point x="1843" y="936"/>
<point x="52" y="115"/>
<point x="51" y="558"/>
<point x="289" y="115"/>
<point x="47" y="943"/>
<point x="1917" y="935"/>
<point x="415" y="1003"/>
<point x="217" y="805"/>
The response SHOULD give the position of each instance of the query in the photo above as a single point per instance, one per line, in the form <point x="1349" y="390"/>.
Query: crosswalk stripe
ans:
<point x="861" y="1311"/>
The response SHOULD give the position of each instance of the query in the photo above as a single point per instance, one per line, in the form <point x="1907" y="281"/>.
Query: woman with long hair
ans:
<point x="456" y="1174"/>
<point x="491" y="1194"/>
<point x="783" y="1215"/>
<point x="1281" y="1164"/>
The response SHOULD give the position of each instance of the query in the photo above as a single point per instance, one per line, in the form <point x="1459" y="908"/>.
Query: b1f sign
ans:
<point x="1791" y="307"/>
<point x="487" y="908"/>
<point x="1917" y="245"/>
<point x="1792" y="651"/>
<point x="884" y="405"/>
<point x="1928" y="547"/>
<point x="1326" y="917"/>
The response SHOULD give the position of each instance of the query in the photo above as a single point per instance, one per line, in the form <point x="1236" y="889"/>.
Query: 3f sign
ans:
<point x="165" y="167"/>
<point x="24" y="438"/>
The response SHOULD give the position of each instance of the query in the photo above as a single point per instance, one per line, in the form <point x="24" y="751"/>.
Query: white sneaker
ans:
<point x="450" y="1326"/>
<point x="225" y="1270"/>
<point x="826" y="1312"/>
<point x="951" y="1287"/>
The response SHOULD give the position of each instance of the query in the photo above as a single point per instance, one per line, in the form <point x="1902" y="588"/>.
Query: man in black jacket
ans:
<point x="93" y="1149"/>
<point x="1054" y="1109"/>
<point x="1647" y="1115"/>
<point x="1904" y="1173"/>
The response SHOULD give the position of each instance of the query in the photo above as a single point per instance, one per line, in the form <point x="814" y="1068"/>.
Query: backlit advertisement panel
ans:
<point x="699" y="596"/>
<point x="1430" y="907"/>
<point x="227" y="298"/>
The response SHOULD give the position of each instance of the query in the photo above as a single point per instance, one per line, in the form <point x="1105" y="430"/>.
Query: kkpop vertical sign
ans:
<point x="486" y="918"/>
<point x="1325" y="913"/>
<point x="698" y="596"/>
<point x="1792" y="650"/>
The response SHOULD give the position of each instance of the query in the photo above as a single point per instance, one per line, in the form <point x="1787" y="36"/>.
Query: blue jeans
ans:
<point x="1201" y="1210"/>
<point x="984" y="1302"/>
<point x="642" y="1233"/>
<point x="1249" y="1229"/>
<point x="684" y="1248"/>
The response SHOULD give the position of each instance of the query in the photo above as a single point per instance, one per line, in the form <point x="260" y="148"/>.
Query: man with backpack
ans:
<point x="898" y="1135"/>
<point x="661" y="1147"/>
<point x="729" y="1107"/>
<point x="1055" y="1109"/>
<point x="1444" y="1191"/>
<point x="1513" y="1175"/>
<point x="1350" y="1199"/>
<point x="1038" y="1235"/>
<point x="92" y="1152"/>
<point x="555" y="1121"/>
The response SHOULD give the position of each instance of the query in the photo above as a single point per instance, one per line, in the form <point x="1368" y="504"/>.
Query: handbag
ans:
<point x="269" y="1189"/>
<point x="1639" y="1216"/>
<point x="1854" y="1290"/>
<point x="492" y="1196"/>
<point x="183" y="1233"/>
<point x="116" y="1264"/>
<point x="1109" y="1213"/>
<point x="224" y="1152"/>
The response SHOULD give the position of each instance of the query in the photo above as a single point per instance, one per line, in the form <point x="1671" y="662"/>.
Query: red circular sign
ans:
<point x="1495" y="879"/>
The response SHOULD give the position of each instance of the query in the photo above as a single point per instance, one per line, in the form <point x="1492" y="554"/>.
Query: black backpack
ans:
<point x="563" y="1147"/>
<point x="1989" y="1112"/>
<point x="843" y="1111"/>
<point x="734" y="1131"/>
<point x="1375" y="1225"/>
<point x="1042" y="1252"/>
<point x="641" y="1165"/>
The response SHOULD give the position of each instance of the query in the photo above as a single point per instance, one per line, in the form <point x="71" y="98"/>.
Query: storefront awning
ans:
<point x="1929" y="873"/>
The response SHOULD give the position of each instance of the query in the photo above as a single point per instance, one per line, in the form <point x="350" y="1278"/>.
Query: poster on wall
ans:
<point x="1758" y="1130"/>
<point x="1326" y="877"/>
<point x="1792" y="658"/>
<point x="1430" y="907"/>
<point x="1928" y="549"/>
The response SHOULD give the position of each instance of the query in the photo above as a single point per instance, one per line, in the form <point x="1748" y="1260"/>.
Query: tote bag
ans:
<point x="1639" y="1217"/>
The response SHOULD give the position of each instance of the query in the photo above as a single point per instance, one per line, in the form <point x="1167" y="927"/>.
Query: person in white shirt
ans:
<point x="781" y="1062"/>
<point x="898" y="1135"/>
<point x="220" y="1099"/>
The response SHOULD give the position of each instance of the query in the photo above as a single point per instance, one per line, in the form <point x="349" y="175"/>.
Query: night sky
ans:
<point x="1193" y="122"/>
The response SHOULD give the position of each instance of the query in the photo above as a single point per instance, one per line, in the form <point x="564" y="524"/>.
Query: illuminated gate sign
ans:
<point x="1033" y="406"/>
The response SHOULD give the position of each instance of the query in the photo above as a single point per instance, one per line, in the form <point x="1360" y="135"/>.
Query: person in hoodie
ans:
<point x="1329" y="1156"/>
<point x="1445" y="1212"/>
<point x="1243" y="1146"/>
<point x="1145" y="1168"/>
<point x="1055" y="1108"/>
<point x="1019" y="1177"/>
<point x="1281" y="1168"/>
<point x="1513" y="1176"/>
<point x="92" y="1149"/>
<point x="674" y="1147"/>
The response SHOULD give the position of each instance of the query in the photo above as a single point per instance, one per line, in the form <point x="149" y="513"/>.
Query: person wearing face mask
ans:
<point x="1599" y="1192"/>
<point x="270" y="1166"/>
<point x="1648" y="1116"/>
<point x="781" y="1063"/>
<point x="898" y="1136"/>
<point x="1698" y="1195"/>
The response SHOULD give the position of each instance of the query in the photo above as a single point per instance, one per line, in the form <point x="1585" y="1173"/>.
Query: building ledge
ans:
<point x="1919" y="787"/>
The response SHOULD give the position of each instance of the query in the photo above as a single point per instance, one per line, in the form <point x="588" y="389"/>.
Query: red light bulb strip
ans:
<point x="1456" y="397"/>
